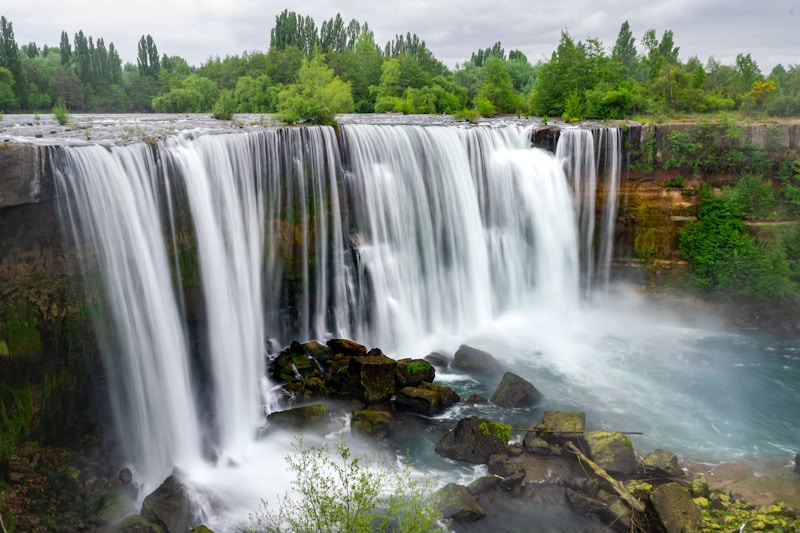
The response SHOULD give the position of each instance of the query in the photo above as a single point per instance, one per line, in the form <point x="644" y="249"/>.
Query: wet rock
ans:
<point x="347" y="347"/>
<point x="438" y="359"/>
<point x="201" y="529"/>
<point x="513" y="482"/>
<point x="111" y="505"/>
<point x="474" y="361"/>
<point x="474" y="440"/>
<point x="374" y="375"/>
<point x="612" y="451"/>
<point x="498" y="465"/>
<point x="536" y="445"/>
<point x="125" y="476"/>
<point x="447" y="396"/>
<point x="423" y="401"/>
<point x="662" y="462"/>
<point x="559" y="427"/>
<point x="583" y="504"/>
<point x="306" y="417"/>
<point x="483" y="484"/>
<point x="514" y="391"/>
<point x="372" y="423"/>
<point x="318" y="351"/>
<point x="675" y="508"/>
<point x="412" y="372"/>
<point x="457" y="503"/>
<point x="169" y="506"/>
<point x="476" y="399"/>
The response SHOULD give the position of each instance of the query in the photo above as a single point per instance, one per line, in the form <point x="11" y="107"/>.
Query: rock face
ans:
<point x="514" y="391"/>
<point x="412" y="372"/>
<point x="612" y="451"/>
<point x="675" y="508"/>
<point x="169" y="507"/>
<point x="474" y="440"/>
<point x="299" y="418"/>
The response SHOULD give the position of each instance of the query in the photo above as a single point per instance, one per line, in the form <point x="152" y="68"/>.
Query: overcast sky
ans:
<point x="199" y="29"/>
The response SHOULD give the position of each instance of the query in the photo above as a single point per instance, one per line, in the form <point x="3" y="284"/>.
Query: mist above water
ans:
<point x="403" y="237"/>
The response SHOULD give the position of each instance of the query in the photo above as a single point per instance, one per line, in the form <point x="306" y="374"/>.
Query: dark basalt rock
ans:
<point x="662" y="462"/>
<point x="306" y="417"/>
<point x="423" y="401"/>
<point x="169" y="506"/>
<point x="475" y="361"/>
<point x="373" y="423"/>
<point x="474" y="440"/>
<point x="514" y="391"/>
<point x="374" y="374"/>
<point x="412" y="372"/>
<point x="458" y="504"/>
<point x="347" y="347"/>
<point x="612" y="451"/>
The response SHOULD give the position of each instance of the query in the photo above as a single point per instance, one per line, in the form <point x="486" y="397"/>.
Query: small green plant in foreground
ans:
<point x="335" y="491"/>
<point x="60" y="112"/>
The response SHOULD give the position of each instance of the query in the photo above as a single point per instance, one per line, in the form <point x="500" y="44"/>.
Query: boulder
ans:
<point x="514" y="391"/>
<point x="111" y="505"/>
<point x="318" y="351"/>
<point x="457" y="503"/>
<point x="372" y="423"/>
<point x="559" y="427"/>
<point x="423" y="401"/>
<point x="699" y="488"/>
<point x="347" y="347"/>
<point x="447" y="396"/>
<point x="612" y="451"/>
<point x="474" y="440"/>
<point x="675" y="508"/>
<point x="583" y="504"/>
<point x="412" y="372"/>
<point x="483" y="484"/>
<point x="374" y="375"/>
<point x="662" y="462"/>
<point x="438" y="359"/>
<point x="299" y="418"/>
<point x="169" y="506"/>
<point x="474" y="361"/>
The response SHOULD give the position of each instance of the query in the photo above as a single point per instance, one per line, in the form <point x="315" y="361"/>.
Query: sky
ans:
<point x="199" y="29"/>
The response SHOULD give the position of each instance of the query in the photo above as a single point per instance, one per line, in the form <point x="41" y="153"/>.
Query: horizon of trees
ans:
<point x="349" y="71"/>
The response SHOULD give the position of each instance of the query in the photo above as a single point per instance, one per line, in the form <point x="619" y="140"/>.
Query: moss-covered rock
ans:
<point x="675" y="508"/>
<point x="374" y="376"/>
<point x="612" y="451"/>
<point x="662" y="462"/>
<point x="457" y="503"/>
<point x="423" y="401"/>
<point x="372" y="423"/>
<point x="306" y="417"/>
<point x="558" y="427"/>
<point x="474" y="440"/>
<point x="412" y="372"/>
<point x="135" y="524"/>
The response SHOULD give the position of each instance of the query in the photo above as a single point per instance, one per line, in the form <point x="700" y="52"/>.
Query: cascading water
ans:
<point x="408" y="238"/>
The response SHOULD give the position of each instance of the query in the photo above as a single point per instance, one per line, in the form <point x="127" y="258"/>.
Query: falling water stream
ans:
<point x="407" y="238"/>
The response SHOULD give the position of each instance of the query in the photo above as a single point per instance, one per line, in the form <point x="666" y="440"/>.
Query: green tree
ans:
<point x="147" y="58"/>
<point x="255" y="95"/>
<point x="624" y="50"/>
<point x="65" y="49"/>
<point x="497" y="87"/>
<point x="10" y="59"/>
<point x="292" y="29"/>
<point x="283" y="64"/>
<point x="318" y="96"/>
<point x="8" y="101"/>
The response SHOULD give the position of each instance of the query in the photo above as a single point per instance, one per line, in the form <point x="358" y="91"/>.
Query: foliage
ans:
<point x="337" y="491"/>
<point x="225" y="106"/>
<point x="318" y="96"/>
<point x="16" y="414"/>
<point x="725" y="258"/>
<point x="60" y="112"/>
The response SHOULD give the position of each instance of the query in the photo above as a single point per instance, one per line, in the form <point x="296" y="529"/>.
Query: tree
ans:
<point x="497" y="86"/>
<point x="10" y="59"/>
<point x="147" y="59"/>
<point x="8" y="101"/>
<point x="65" y="49"/>
<point x="318" y="96"/>
<point x="624" y="50"/>
<point x="294" y="30"/>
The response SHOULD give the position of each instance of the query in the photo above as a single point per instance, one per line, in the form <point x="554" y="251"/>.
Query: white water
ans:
<point x="407" y="238"/>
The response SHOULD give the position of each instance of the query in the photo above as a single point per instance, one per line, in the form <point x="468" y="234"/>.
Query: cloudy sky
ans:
<point x="199" y="29"/>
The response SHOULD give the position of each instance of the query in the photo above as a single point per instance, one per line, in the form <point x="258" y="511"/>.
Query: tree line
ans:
<point x="312" y="72"/>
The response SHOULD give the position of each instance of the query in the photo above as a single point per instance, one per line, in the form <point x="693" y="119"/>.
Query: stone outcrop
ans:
<point x="662" y="462"/>
<point x="458" y="504"/>
<point x="169" y="506"/>
<point x="675" y="508"/>
<point x="612" y="451"/>
<point x="476" y="362"/>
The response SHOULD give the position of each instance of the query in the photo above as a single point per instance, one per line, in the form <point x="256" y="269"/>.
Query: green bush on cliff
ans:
<point x="337" y="491"/>
<point x="727" y="259"/>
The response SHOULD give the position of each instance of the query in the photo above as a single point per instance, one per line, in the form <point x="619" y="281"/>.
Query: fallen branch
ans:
<point x="618" y="487"/>
<point x="2" y="525"/>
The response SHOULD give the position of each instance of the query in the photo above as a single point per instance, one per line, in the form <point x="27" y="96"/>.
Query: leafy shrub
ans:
<point x="318" y="97"/>
<point x="225" y="106"/>
<point x="335" y="491"/>
<point x="60" y="112"/>
<point x="485" y="107"/>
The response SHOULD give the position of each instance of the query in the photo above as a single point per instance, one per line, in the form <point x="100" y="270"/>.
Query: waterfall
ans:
<point x="391" y="234"/>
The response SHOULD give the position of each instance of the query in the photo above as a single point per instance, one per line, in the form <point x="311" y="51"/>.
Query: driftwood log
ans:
<point x="618" y="487"/>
